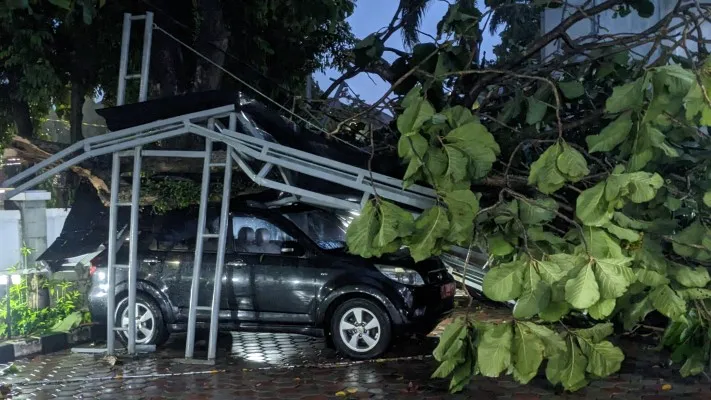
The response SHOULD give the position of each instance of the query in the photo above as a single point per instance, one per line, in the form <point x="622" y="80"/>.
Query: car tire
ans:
<point x="360" y="329"/>
<point x="150" y="326"/>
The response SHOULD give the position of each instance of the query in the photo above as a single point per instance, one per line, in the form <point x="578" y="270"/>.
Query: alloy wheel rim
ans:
<point x="145" y="323"/>
<point x="359" y="329"/>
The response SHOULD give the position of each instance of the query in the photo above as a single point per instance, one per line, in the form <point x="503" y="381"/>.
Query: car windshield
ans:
<point x="326" y="228"/>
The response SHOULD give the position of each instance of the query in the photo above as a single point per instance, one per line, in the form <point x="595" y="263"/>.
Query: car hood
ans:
<point x="400" y="258"/>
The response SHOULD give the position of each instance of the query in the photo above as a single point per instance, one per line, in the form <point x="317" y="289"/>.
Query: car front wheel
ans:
<point x="150" y="328"/>
<point x="360" y="329"/>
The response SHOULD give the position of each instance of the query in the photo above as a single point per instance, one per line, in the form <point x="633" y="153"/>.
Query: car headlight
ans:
<point x="401" y="275"/>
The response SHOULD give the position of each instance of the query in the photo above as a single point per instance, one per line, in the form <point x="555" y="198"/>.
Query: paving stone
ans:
<point x="277" y="366"/>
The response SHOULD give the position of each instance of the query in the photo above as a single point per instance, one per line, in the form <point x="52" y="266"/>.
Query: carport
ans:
<point x="301" y="171"/>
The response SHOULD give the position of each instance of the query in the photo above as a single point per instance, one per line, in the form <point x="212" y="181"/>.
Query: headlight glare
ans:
<point x="402" y="275"/>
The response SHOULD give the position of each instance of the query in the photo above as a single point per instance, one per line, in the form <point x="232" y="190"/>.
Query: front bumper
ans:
<point x="425" y="308"/>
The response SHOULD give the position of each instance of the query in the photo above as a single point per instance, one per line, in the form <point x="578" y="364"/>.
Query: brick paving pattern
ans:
<point x="276" y="366"/>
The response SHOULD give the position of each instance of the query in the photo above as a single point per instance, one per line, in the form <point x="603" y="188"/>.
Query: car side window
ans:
<point x="257" y="235"/>
<point x="180" y="236"/>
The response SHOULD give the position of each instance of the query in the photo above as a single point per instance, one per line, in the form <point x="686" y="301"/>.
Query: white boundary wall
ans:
<point x="11" y="235"/>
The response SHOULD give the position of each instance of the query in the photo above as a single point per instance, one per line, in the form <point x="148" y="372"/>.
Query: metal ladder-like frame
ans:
<point x="221" y="245"/>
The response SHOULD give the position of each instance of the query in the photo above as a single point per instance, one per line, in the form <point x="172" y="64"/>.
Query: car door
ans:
<point x="279" y="287"/>
<point x="174" y="249"/>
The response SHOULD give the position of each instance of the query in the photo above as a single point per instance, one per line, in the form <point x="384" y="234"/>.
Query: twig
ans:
<point x="521" y="76"/>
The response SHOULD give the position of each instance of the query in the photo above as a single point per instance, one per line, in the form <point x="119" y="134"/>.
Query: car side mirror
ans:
<point x="292" y="248"/>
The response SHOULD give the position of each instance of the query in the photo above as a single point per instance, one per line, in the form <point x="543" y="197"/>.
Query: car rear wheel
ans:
<point x="150" y="328"/>
<point x="360" y="329"/>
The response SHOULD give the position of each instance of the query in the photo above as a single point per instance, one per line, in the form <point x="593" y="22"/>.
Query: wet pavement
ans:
<point x="280" y="366"/>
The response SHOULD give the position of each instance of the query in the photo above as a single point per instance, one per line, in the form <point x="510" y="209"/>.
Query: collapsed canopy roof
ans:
<point x="267" y="121"/>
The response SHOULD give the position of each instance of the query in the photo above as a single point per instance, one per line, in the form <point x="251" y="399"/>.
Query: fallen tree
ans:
<point x="601" y="216"/>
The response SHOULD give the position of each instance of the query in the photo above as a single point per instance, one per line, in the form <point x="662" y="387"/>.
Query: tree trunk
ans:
<point x="75" y="114"/>
<point x="213" y="40"/>
<point x="23" y="120"/>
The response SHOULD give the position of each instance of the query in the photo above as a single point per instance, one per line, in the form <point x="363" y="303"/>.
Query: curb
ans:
<point x="21" y="348"/>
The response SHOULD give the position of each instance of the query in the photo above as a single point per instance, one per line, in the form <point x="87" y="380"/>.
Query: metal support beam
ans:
<point x="113" y="248"/>
<point x="221" y="247"/>
<point x="146" y="58"/>
<point x="133" y="251"/>
<point x="123" y="66"/>
<point x="195" y="284"/>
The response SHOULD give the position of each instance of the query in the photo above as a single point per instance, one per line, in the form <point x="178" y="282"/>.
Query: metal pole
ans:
<point x="146" y="58"/>
<point x="308" y="87"/>
<point x="123" y="66"/>
<point x="195" y="284"/>
<point x="133" y="249"/>
<point x="112" y="246"/>
<point x="8" y="318"/>
<point x="221" y="244"/>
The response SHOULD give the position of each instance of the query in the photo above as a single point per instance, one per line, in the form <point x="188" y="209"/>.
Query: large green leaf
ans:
<point x="627" y="96"/>
<point x="544" y="171"/>
<point x="536" y="110"/>
<point x="692" y="277"/>
<point x="614" y="276"/>
<point x="602" y="309"/>
<point x="612" y="135"/>
<point x="568" y="368"/>
<point x="583" y="291"/>
<point x="412" y="146"/>
<point x="572" y="164"/>
<point x="68" y="323"/>
<point x="707" y="198"/>
<point x="436" y="162"/>
<point x="637" y="312"/>
<point x="494" y="351"/>
<point x="571" y="89"/>
<point x="687" y="242"/>
<point x="535" y="294"/>
<point x="394" y="223"/>
<point x="419" y="111"/>
<point x="536" y="211"/>
<point x="550" y="271"/>
<point x="362" y="230"/>
<point x="499" y="246"/>
<point x="596" y="333"/>
<point x="592" y="208"/>
<point x="453" y="332"/>
<point x="456" y="163"/>
<point x="622" y="233"/>
<point x="504" y="282"/>
<point x="431" y="226"/>
<point x="651" y="278"/>
<point x="693" y="365"/>
<point x="528" y="350"/>
<point x="552" y="341"/>
<point x="601" y="245"/>
<point x="537" y="234"/>
<point x="643" y="186"/>
<point x="459" y="116"/>
<point x="694" y="294"/>
<point x="667" y="302"/>
<point x="463" y="206"/>
<point x="604" y="359"/>
<point x="475" y="141"/>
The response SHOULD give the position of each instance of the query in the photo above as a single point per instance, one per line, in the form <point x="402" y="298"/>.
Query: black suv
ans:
<point x="286" y="270"/>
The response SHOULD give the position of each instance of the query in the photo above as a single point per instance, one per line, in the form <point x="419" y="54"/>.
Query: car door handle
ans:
<point x="239" y="263"/>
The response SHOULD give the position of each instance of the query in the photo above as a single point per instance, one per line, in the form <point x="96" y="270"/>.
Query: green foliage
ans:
<point x="63" y="315"/>
<point x="605" y="223"/>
